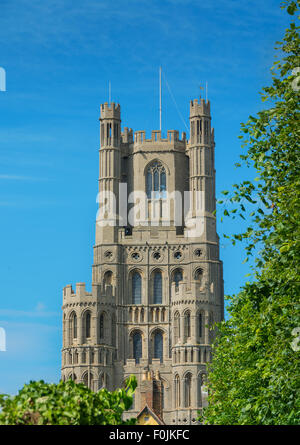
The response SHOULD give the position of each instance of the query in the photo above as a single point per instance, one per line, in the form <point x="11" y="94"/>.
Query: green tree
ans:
<point x="254" y="374"/>
<point x="67" y="403"/>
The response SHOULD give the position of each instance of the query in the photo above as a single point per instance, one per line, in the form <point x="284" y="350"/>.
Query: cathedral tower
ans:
<point x="157" y="281"/>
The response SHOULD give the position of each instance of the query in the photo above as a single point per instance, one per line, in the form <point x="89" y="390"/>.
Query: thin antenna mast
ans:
<point x="206" y="90"/>
<point x="160" y="98"/>
<point x="109" y="92"/>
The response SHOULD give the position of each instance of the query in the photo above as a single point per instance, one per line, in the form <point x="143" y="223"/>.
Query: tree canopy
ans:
<point x="67" y="403"/>
<point x="254" y="374"/>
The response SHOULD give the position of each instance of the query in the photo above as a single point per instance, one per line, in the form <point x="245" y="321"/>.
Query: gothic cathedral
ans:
<point x="157" y="281"/>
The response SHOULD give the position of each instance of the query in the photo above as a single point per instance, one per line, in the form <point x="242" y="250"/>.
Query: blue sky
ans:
<point x="59" y="57"/>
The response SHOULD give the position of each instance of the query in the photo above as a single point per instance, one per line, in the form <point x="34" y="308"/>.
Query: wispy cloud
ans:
<point x="20" y="178"/>
<point x="97" y="27"/>
<point x="40" y="311"/>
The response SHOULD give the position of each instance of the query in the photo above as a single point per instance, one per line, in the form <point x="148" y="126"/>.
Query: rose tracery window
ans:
<point x="156" y="181"/>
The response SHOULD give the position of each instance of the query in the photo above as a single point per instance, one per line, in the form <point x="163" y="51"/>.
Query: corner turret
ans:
<point x="110" y="125"/>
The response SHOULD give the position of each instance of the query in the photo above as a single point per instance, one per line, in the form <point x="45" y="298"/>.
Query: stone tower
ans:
<point x="157" y="281"/>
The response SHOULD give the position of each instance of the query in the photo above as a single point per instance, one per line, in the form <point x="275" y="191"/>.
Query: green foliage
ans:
<point x="67" y="403"/>
<point x="254" y="376"/>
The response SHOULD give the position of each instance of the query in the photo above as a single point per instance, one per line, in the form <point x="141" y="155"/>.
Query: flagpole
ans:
<point x="160" y="98"/>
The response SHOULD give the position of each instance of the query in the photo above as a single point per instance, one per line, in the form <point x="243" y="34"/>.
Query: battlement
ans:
<point x="99" y="291"/>
<point x="201" y="108"/>
<point x="172" y="137"/>
<point x="110" y="111"/>
<point x="127" y="135"/>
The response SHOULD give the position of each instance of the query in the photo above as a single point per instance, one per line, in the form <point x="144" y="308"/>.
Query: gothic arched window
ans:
<point x="200" y="325"/>
<point x="158" y="346"/>
<point x="187" y="389"/>
<point x="87" y="324"/>
<point x="87" y="379"/>
<point x="137" y="347"/>
<point x="177" y="391"/>
<point x="187" y="324"/>
<point x="177" y="276"/>
<point x="156" y="181"/>
<point x="73" y="326"/>
<point x="199" y="275"/>
<point x="108" y="277"/>
<point x="157" y="287"/>
<point x="136" y="288"/>
<point x="73" y="377"/>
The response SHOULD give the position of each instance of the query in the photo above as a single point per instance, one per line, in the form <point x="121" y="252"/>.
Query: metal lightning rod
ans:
<point x="160" y="98"/>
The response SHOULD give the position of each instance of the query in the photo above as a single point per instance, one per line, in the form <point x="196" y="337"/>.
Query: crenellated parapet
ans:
<point x="101" y="294"/>
<point x="170" y="142"/>
<point x="127" y="135"/>
<point x="89" y="334"/>
<point x="110" y="111"/>
<point x="201" y="108"/>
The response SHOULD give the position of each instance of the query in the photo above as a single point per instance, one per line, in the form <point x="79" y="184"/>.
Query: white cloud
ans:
<point x="39" y="311"/>
<point x="20" y="177"/>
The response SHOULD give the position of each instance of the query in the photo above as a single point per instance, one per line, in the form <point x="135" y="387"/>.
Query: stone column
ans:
<point x="194" y="392"/>
<point x="146" y="344"/>
<point x="182" y="327"/>
<point x="94" y="330"/>
<point x="182" y="392"/>
<point x="173" y="393"/>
